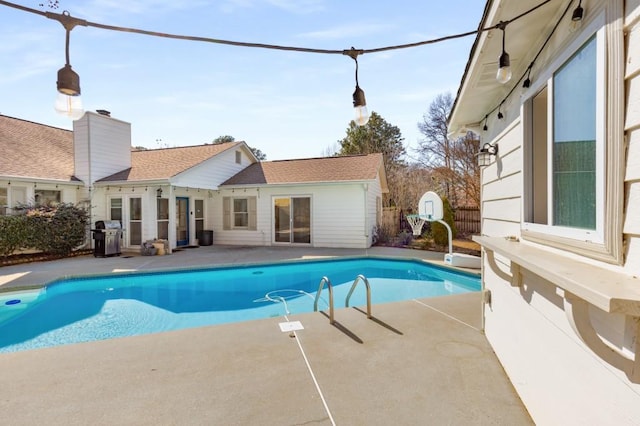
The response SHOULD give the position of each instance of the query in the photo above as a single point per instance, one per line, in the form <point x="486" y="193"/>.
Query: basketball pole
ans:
<point x="449" y="233"/>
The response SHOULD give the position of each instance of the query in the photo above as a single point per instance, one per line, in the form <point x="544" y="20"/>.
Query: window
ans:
<point x="4" y="201"/>
<point x="564" y="189"/>
<point x="115" y="209"/>
<point x="43" y="196"/>
<point x="239" y="213"/>
<point x="199" y="216"/>
<point x="572" y="150"/>
<point x="238" y="157"/>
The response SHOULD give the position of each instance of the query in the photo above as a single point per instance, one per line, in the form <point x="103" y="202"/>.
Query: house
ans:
<point x="561" y="202"/>
<point x="184" y="193"/>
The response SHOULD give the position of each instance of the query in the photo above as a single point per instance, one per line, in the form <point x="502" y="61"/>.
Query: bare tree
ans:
<point x="452" y="160"/>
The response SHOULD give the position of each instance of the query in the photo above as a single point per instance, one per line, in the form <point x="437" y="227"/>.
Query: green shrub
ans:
<point x="439" y="233"/>
<point x="13" y="234"/>
<point x="56" y="228"/>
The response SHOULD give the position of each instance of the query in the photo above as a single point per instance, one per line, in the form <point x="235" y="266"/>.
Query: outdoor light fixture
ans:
<point x="484" y="156"/>
<point x="576" y="18"/>
<point x="159" y="193"/>
<point x="68" y="101"/>
<point x="504" y="63"/>
<point x="359" y="101"/>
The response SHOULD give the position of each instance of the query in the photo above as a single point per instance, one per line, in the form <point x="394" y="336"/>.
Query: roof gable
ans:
<point x="166" y="163"/>
<point x="311" y="170"/>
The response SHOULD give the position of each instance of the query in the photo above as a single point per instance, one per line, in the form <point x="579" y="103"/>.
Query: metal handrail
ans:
<point x="353" y="287"/>
<point x="320" y="287"/>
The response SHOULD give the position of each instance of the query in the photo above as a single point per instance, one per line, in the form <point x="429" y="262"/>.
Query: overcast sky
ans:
<point x="287" y="104"/>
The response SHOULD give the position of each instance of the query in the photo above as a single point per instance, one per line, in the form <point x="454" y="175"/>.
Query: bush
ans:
<point x="439" y="232"/>
<point x="405" y="238"/>
<point x="57" y="229"/>
<point x="13" y="234"/>
<point x="382" y="234"/>
<point x="52" y="228"/>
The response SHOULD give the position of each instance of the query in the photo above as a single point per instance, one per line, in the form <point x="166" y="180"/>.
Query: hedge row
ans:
<point x="53" y="229"/>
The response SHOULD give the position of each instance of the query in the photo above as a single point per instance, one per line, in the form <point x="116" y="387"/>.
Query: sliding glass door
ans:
<point x="292" y="220"/>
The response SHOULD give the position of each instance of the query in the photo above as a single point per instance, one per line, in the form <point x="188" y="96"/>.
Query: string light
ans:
<point x="69" y="81"/>
<point x="500" y="116"/>
<point x="576" y="18"/>
<point x="68" y="101"/>
<point x="485" y="128"/>
<point x="527" y="81"/>
<point x="359" y="101"/>
<point x="504" y="63"/>
<point x="555" y="27"/>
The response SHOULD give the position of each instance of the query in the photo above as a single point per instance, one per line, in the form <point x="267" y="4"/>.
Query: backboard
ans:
<point x="430" y="206"/>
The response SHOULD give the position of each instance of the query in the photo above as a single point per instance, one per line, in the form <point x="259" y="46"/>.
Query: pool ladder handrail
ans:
<point x="353" y="287"/>
<point x="320" y="287"/>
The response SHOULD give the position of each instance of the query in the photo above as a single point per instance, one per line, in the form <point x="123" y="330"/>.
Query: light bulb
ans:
<point x="504" y="68"/>
<point x="575" y="25"/>
<point x="362" y="115"/>
<point x="69" y="106"/>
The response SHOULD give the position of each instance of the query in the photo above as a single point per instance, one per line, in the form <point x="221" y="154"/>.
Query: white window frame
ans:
<point x="605" y="241"/>
<point x="234" y="212"/>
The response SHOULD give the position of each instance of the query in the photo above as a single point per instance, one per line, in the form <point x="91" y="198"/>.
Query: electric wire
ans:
<point x="65" y="20"/>
<point x="69" y="22"/>
<point x="555" y="27"/>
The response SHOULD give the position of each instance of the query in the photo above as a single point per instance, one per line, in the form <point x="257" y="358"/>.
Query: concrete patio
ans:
<point x="416" y="362"/>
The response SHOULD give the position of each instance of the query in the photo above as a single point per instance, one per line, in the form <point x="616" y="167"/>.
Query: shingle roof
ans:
<point x="327" y="169"/>
<point x="35" y="150"/>
<point x="168" y="162"/>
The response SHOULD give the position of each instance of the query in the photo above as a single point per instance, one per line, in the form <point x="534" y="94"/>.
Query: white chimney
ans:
<point x="101" y="146"/>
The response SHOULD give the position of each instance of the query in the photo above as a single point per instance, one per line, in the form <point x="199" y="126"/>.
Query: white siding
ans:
<point x="337" y="214"/>
<point x="632" y="124"/>
<point x="214" y="171"/>
<point x="560" y="380"/>
<point x="102" y="147"/>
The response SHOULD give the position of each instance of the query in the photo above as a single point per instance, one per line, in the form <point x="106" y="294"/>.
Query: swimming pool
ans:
<point x="125" y="304"/>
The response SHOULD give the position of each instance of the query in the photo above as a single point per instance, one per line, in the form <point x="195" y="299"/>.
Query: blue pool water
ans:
<point x="115" y="305"/>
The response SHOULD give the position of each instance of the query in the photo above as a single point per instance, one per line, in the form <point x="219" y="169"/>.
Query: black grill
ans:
<point x="107" y="236"/>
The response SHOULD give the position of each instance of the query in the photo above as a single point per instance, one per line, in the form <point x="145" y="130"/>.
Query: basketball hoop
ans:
<point x="417" y="222"/>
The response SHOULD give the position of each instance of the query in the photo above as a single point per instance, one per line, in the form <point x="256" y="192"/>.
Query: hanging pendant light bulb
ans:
<point x="68" y="102"/>
<point x="527" y="81"/>
<point x="504" y="63"/>
<point x="576" y="18"/>
<point x="359" y="101"/>
<point x="70" y="106"/>
<point x="360" y="107"/>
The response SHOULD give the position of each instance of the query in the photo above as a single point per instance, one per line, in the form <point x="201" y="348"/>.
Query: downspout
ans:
<point x="366" y="213"/>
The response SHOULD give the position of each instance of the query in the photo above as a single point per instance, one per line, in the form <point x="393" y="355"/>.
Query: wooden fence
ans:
<point x="467" y="220"/>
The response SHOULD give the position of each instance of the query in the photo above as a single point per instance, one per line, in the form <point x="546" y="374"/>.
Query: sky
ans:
<point x="287" y="104"/>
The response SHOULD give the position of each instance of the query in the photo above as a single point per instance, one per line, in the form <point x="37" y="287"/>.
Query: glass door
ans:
<point x="134" y="229"/>
<point x="292" y="220"/>
<point x="282" y="217"/>
<point x="182" y="221"/>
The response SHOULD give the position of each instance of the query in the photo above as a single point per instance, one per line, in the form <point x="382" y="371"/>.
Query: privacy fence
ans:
<point x="467" y="220"/>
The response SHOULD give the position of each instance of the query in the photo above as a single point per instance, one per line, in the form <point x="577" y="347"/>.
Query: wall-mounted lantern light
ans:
<point x="484" y="156"/>
<point x="159" y="193"/>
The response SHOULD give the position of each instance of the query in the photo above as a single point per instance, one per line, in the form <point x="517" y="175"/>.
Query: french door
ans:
<point x="128" y="210"/>
<point x="182" y="221"/>
<point x="292" y="220"/>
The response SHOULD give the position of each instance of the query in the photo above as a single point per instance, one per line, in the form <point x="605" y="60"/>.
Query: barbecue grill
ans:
<point x="107" y="236"/>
